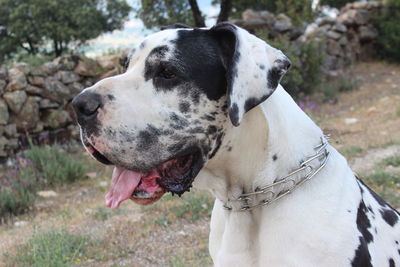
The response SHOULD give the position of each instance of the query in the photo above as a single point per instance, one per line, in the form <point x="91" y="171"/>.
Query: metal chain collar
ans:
<point x="321" y="154"/>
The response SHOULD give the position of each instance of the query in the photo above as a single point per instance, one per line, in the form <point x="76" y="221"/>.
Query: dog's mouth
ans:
<point x="146" y="187"/>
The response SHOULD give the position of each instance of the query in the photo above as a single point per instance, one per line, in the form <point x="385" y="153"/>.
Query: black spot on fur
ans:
<point x="208" y="117"/>
<point x="389" y="216"/>
<point x="261" y="66"/>
<point x="184" y="107"/>
<point x="273" y="77"/>
<point x="362" y="257"/>
<point x="391" y="263"/>
<point x="211" y="129"/>
<point x="349" y="211"/>
<point x="111" y="97"/>
<point x="196" y="130"/>
<point x="146" y="139"/>
<point x="363" y="222"/>
<point x="142" y="45"/>
<point x="234" y="114"/>
<point x="274" y="157"/>
<point x="173" y="149"/>
<point x="151" y="66"/>
<point x="253" y="101"/>
<point x="217" y="146"/>
<point x="229" y="149"/>
<point x="178" y="122"/>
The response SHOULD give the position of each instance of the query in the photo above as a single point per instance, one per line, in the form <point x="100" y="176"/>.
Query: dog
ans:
<point x="204" y="107"/>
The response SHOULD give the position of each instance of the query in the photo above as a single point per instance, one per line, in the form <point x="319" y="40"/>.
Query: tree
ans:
<point x="28" y="24"/>
<point x="334" y="3"/>
<point x="156" y="13"/>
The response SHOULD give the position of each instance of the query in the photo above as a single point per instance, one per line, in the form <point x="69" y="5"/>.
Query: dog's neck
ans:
<point x="271" y="142"/>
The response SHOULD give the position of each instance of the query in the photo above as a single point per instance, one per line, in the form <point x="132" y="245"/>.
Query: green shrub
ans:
<point x="389" y="31"/>
<point x="331" y="89"/>
<point x="305" y="74"/>
<point x="53" y="248"/>
<point x="54" y="165"/>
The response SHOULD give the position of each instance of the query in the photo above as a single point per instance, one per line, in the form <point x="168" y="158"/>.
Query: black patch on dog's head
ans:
<point x="391" y="263"/>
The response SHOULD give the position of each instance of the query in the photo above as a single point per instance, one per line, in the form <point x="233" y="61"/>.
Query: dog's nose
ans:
<point x="86" y="106"/>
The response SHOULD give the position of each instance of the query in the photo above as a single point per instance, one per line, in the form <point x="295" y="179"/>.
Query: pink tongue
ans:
<point x="123" y="184"/>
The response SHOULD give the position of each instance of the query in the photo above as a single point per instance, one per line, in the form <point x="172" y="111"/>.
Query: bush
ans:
<point x="54" y="165"/>
<point x="389" y="31"/>
<point x="331" y="90"/>
<point x="53" y="248"/>
<point x="305" y="74"/>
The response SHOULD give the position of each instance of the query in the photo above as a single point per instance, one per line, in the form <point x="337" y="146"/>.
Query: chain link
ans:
<point x="322" y="155"/>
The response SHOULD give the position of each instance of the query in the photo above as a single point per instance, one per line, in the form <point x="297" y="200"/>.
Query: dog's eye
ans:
<point x="167" y="74"/>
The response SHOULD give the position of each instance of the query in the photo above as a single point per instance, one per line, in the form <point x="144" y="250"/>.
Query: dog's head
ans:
<point x="165" y="117"/>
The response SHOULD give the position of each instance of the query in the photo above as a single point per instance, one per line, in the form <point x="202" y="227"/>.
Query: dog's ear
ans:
<point x="253" y="68"/>
<point x="175" y="26"/>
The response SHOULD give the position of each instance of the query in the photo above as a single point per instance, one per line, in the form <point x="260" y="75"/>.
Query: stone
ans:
<point x="48" y="68"/>
<point x="88" y="67"/>
<point x="282" y="24"/>
<point x="67" y="77"/>
<point x="3" y="73"/>
<point x="10" y="130"/>
<point x="3" y="113"/>
<point x="47" y="194"/>
<point x="55" y="90"/>
<point x="66" y="62"/>
<point x="17" y="80"/>
<point x="3" y="84"/>
<point x="57" y="118"/>
<point x="20" y="223"/>
<point x="367" y="33"/>
<point x="47" y="103"/>
<point x="3" y="146"/>
<point x="33" y="90"/>
<point x="108" y="62"/>
<point x="333" y="35"/>
<point x="38" y="71"/>
<point x="349" y="121"/>
<point x="36" y="80"/>
<point x="325" y="20"/>
<point x="339" y="27"/>
<point x="76" y="87"/>
<point x="23" y="67"/>
<point x="28" y="116"/>
<point x="333" y="48"/>
<point x="15" y="100"/>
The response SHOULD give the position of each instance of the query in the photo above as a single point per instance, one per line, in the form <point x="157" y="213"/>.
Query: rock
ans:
<point x="20" y="223"/>
<point x="3" y="84"/>
<point x="66" y="62"/>
<point x="36" y="80"/>
<point x="343" y="40"/>
<point x="108" y="62"/>
<point x="15" y="100"/>
<point x="55" y="90"/>
<point x="33" y="90"/>
<point x="91" y="175"/>
<point x="23" y="67"/>
<point x="3" y="113"/>
<point x="333" y="35"/>
<point x="339" y="27"/>
<point x="10" y="130"/>
<point x="325" y="20"/>
<point x="57" y="118"/>
<point x="29" y="115"/>
<point x="17" y="80"/>
<point x="3" y="73"/>
<point x="333" y="48"/>
<point x="48" y="68"/>
<point x="282" y="24"/>
<point x="76" y="88"/>
<point x="3" y="145"/>
<point x="88" y="67"/>
<point x="38" y="71"/>
<point x="349" y="121"/>
<point x="47" y="103"/>
<point x="263" y="17"/>
<point x="367" y="33"/>
<point x="103" y="184"/>
<point x="109" y="73"/>
<point x="47" y="194"/>
<point x="67" y="76"/>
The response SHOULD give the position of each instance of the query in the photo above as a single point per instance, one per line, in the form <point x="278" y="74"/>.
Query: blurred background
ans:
<point x="345" y="75"/>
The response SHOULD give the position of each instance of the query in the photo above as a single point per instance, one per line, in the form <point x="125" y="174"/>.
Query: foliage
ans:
<point x="155" y="13"/>
<point x="241" y="5"/>
<point x="299" y="11"/>
<point x="55" y="166"/>
<point x="335" y="3"/>
<point x="391" y="161"/>
<point x="52" y="248"/>
<point x="351" y="151"/>
<point x="332" y="88"/>
<point x="305" y="74"/>
<point x="30" y="24"/>
<point x="389" y="31"/>
<point x="40" y="167"/>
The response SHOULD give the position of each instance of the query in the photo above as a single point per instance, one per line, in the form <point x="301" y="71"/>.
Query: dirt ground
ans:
<point x="367" y="119"/>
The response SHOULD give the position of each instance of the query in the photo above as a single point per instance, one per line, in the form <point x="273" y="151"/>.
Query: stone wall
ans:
<point x="345" y="39"/>
<point x="35" y="101"/>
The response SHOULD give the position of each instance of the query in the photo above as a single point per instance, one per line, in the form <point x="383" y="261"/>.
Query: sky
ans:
<point x="134" y="31"/>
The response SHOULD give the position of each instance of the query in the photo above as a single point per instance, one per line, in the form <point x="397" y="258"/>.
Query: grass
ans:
<point x="103" y="213"/>
<point x="53" y="248"/>
<point x="194" y="206"/>
<point x="393" y="161"/>
<point x="351" y="151"/>
<point x="332" y="89"/>
<point x="39" y="167"/>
